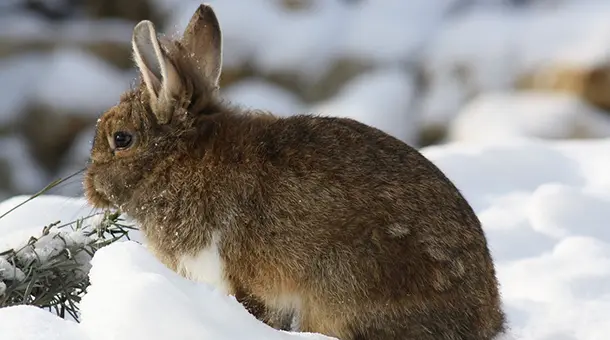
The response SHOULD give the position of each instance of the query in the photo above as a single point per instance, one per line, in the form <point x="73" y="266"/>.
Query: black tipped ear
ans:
<point x="159" y="75"/>
<point x="203" y="38"/>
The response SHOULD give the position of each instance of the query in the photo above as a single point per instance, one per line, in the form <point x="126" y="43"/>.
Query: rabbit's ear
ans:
<point x="203" y="38"/>
<point x="159" y="74"/>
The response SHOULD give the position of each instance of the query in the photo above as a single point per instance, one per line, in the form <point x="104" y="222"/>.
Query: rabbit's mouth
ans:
<point x="98" y="200"/>
<point x="94" y="196"/>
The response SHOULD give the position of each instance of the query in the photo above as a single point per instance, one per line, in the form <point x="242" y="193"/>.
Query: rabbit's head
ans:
<point x="163" y="114"/>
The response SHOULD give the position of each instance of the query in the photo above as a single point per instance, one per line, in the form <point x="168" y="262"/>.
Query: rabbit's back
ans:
<point x="357" y="223"/>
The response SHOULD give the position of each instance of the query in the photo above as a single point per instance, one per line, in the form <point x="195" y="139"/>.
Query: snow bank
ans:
<point x="69" y="71"/>
<point x="66" y="79"/>
<point x="272" y="38"/>
<point x="488" y="49"/>
<point x="551" y="115"/>
<point x="391" y="31"/>
<point x="28" y="323"/>
<point x="483" y="48"/>
<point x="544" y="206"/>
<point x="155" y="303"/>
<point x="309" y="40"/>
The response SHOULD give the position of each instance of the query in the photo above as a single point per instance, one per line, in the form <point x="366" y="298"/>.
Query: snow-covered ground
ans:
<point x="509" y="116"/>
<point x="545" y="207"/>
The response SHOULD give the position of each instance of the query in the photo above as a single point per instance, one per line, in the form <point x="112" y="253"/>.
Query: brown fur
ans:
<point x="371" y="237"/>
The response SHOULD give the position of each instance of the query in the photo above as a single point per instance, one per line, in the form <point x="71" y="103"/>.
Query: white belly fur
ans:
<point x="206" y="266"/>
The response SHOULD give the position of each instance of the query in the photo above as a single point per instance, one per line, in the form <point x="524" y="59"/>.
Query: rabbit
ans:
<point x="313" y="223"/>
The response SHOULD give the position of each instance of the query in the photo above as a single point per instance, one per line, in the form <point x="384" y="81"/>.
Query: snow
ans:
<point x="21" y="25"/>
<point x="25" y="174"/>
<point x="27" y="323"/>
<point x="29" y="219"/>
<point x="198" y="311"/>
<point x="550" y="115"/>
<point x="462" y="54"/>
<point x="488" y="49"/>
<point x="95" y="31"/>
<point x="543" y="205"/>
<point x="582" y="42"/>
<point x="16" y="75"/>
<point x="99" y="89"/>
<point x="261" y="95"/>
<point x="54" y="78"/>
<point x="490" y="38"/>
<point x="312" y="39"/>
<point x="305" y="42"/>
<point x="8" y="272"/>
<point x="380" y="98"/>
<point x="53" y="244"/>
<point x="74" y="161"/>
<point x="390" y="31"/>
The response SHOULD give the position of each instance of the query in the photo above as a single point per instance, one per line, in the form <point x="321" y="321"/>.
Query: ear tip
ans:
<point x="144" y="26"/>
<point x="144" y="23"/>
<point x="205" y="9"/>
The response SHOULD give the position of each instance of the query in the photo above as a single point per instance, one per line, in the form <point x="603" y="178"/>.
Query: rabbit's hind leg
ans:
<point x="446" y="324"/>
<point x="257" y="308"/>
<point x="316" y="319"/>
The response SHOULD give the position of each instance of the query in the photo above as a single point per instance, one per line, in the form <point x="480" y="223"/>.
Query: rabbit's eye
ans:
<point x="122" y="140"/>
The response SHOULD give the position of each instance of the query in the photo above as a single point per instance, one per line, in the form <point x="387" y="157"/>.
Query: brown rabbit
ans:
<point x="317" y="224"/>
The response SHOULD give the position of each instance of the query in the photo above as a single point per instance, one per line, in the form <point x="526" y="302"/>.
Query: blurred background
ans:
<point x="426" y="71"/>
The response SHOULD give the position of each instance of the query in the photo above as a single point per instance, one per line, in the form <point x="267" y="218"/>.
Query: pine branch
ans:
<point x="51" y="271"/>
